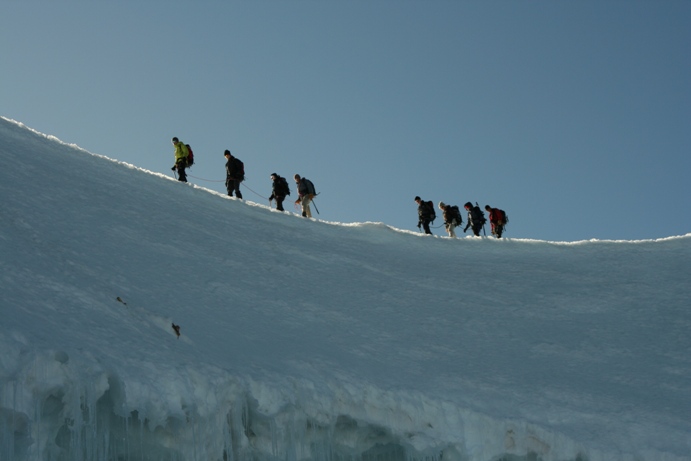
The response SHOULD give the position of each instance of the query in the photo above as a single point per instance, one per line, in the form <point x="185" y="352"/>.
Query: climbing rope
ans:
<point x="223" y="180"/>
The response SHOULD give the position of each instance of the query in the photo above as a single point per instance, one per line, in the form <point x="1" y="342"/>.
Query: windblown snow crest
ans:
<point x="305" y="340"/>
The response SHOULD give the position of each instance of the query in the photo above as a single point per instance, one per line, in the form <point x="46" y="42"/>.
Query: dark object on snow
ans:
<point x="176" y="328"/>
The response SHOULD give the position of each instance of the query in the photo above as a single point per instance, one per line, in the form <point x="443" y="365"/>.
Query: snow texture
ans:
<point x="310" y="340"/>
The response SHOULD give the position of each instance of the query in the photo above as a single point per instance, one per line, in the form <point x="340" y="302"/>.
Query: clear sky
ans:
<point x="574" y="117"/>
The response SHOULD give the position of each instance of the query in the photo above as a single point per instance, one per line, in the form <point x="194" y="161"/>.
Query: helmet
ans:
<point x="442" y="205"/>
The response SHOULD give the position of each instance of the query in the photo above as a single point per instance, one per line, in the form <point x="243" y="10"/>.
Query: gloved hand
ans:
<point x="173" y="169"/>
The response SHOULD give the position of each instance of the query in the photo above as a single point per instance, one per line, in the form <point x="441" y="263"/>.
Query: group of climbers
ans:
<point x="280" y="190"/>
<point x="452" y="217"/>
<point x="235" y="175"/>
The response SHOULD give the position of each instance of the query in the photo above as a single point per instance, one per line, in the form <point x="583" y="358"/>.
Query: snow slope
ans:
<point x="310" y="340"/>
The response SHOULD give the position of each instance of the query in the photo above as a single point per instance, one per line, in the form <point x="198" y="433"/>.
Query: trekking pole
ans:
<point x="315" y="206"/>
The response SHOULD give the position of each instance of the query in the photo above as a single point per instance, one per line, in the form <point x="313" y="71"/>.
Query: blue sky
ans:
<point x="574" y="117"/>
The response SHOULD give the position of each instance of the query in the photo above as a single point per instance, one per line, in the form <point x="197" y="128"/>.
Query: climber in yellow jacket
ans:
<point x="181" y="154"/>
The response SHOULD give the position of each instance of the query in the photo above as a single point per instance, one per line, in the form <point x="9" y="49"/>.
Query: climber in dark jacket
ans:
<point x="476" y="218"/>
<point x="235" y="174"/>
<point x="425" y="213"/>
<point x="279" y="190"/>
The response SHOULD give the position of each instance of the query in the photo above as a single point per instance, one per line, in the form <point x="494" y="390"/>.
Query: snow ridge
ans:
<point x="307" y="340"/>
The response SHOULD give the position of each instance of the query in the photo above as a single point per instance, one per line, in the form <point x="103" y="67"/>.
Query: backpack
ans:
<point x="503" y="218"/>
<point x="432" y="213"/>
<point x="282" y="186"/>
<point x="240" y="169"/>
<point x="456" y="219"/>
<point x="310" y="186"/>
<point x="190" y="156"/>
<point x="478" y="215"/>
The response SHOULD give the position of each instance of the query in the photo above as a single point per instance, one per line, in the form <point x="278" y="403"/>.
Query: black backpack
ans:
<point x="282" y="186"/>
<point x="430" y="209"/>
<point x="478" y="216"/>
<point x="240" y="169"/>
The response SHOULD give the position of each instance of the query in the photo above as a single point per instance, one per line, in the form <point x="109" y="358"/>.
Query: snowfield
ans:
<point x="310" y="340"/>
